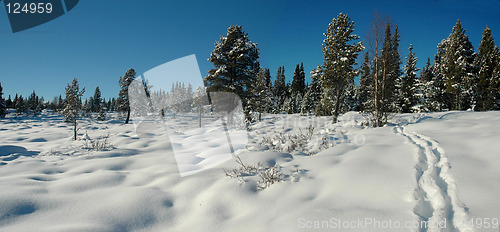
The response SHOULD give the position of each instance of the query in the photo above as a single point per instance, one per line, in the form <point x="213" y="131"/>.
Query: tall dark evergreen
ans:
<point x="408" y="83"/>
<point x="366" y="88"/>
<point x="280" y="90"/>
<point x="454" y="64"/>
<point x="73" y="104"/>
<point x="123" y="99"/>
<point x="96" y="102"/>
<point x="488" y="63"/>
<point x="340" y="51"/>
<point x="33" y="102"/>
<point x="9" y="103"/>
<point x="235" y="59"/>
<point x="20" y="105"/>
<point x="3" y="105"/>
<point x="299" y="80"/>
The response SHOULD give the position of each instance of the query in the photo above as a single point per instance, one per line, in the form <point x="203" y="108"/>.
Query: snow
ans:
<point x="437" y="167"/>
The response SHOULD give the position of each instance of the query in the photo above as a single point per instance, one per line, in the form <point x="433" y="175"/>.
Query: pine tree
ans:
<point x="73" y="104"/>
<point x="390" y="62"/>
<point x="33" y="103"/>
<point x="123" y="98"/>
<point x="20" y="105"/>
<point x="235" y="59"/>
<point x="432" y="89"/>
<point x="487" y="61"/>
<point x="96" y="102"/>
<point x="313" y="94"/>
<point x="408" y="90"/>
<point x="340" y="52"/>
<point x="200" y="99"/>
<point x="262" y="93"/>
<point x="3" y="106"/>
<point x="9" y="103"/>
<point x="280" y="90"/>
<point x="299" y="80"/>
<point x="366" y="88"/>
<point x="454" y="64"/>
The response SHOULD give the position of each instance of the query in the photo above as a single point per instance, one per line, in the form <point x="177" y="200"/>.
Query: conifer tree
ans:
<point x="73" y="104"/>
<point x="408" y="90"/>
<point x="96" y="100"/>
<point x="432" y="89"/>
<point x="3" y="106"/>
<point x="280" y="90"/>
<point x="366" y="89"/>
<point x="33" y="103"/>
<point x="299" y="80"/>
<point x="123" y="98"/>
<point x="487" y="61"/>
<point x="454" y="64"/>
<point x="20" y="105"/>
<point x="235" y="59"/>
<point x="9" y="103"/>
<point x="311" y="98"/>
<point x="340" y="52"/>
<point x="262" y="93"/>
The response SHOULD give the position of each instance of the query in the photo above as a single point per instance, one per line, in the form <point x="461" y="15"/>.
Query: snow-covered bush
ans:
<point x="268" y="175"/>
<point x="99" y="144"/>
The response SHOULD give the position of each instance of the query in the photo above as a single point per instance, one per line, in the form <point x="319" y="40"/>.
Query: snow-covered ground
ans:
<point x="439" y="169"/>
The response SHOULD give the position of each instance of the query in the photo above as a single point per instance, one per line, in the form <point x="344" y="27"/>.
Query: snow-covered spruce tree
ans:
<point x="3" y="105"/>
<point x="21" y="107"/>
<point x="312" y="96"/>
<point x="199" y="100"/>
<point x="299" y="80"/>
<point x="366" y="88"/>
<point x="235" y="59"/>
<point x="454" y="63"/>
<point x="340" y="52"/>
<point x="280" y="90"/>
<point x="409" y="89"/>
<point x="96" y="102"/>
<point x="390" y="71"/>
<point x="33" y="104"/>
<point x="9" y="103"/>
<point x="262" y="100"/>
<point x="431" y="88"/>
<point x="123" y="100"/>
<point x="487" y="61"/>
<point x="73" y="104"/>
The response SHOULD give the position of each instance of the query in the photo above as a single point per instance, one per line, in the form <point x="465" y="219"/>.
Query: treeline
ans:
<point x="459" y="78"/>
<point x="34" y="104"/>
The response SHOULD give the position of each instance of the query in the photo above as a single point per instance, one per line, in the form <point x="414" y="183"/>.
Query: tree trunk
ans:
<point x="337" y="104"/>
<point x="74" y="128"/>
<point x="128" y="116"/>
<point x="200" y="109"/>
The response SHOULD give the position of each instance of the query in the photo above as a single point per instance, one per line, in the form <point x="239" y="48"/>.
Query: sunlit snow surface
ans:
<point x="421" y="167"/>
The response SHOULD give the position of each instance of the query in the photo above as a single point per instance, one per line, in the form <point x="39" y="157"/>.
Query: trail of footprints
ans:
<point x="436" y="191"/>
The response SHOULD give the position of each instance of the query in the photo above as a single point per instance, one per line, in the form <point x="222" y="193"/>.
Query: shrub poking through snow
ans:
<point x="300" y="142"/>
<point x="268" y="175"/>
<point x="99" y="144"/>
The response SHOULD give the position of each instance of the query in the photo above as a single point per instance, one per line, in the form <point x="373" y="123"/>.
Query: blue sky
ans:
<point x="98" y="41"/>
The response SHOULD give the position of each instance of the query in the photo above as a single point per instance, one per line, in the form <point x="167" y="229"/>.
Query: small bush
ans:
<point x="268" y="175"/>
<point x="99" y="144"/>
